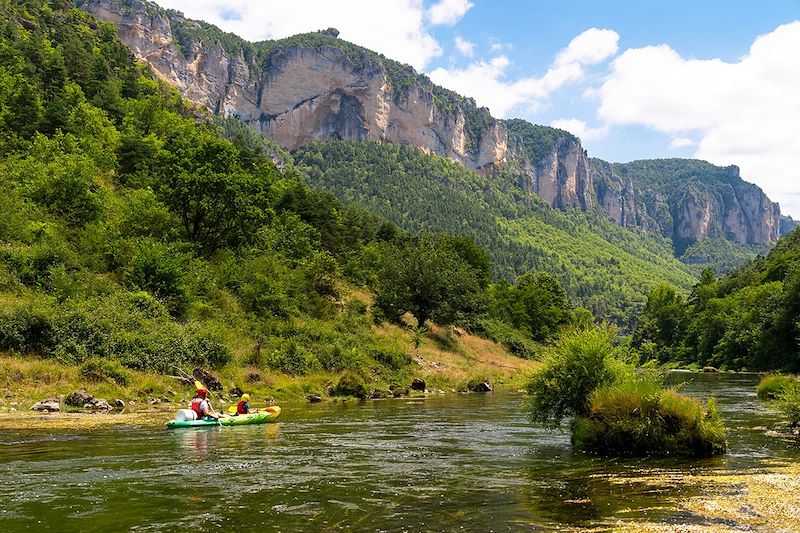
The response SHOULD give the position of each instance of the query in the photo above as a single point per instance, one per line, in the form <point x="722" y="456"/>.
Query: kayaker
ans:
<point x="201" y="406"/>
<point x="243" y="407"/>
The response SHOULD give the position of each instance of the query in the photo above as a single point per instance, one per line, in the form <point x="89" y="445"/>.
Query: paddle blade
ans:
<point x="198" y="385"/>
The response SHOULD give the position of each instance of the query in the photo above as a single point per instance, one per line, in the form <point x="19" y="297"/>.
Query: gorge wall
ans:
<point x="317" y="87"/>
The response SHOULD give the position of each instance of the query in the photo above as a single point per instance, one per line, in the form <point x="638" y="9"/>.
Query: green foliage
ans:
<point x="105" y="370"/>
<point x="603" y="267"/>
<point x="722" y="255"/>
<point x="771" y="386"/>
<point x="537" y="141"/>
<point x="638" y="417"/>
<point x="351" y="384"/>
<point x="427" y="278"/>
<point x="788" y="403"/>
<point x="536" y="304"/>
<point x="747" y="319"/>
<point x="580" y="362"/>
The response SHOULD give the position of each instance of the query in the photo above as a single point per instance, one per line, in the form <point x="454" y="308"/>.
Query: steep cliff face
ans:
<point x="687" y="200"/>
<point x="297" y="90"/>
<point x="317" y="87"/>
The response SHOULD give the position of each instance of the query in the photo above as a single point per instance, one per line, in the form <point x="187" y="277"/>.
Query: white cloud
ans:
<point x="580" y="129"/>
<point x="464" y="46"/>
<point x="744" y="112"/>
<point x="680" y="142"/>
<point x="448" y="12"/>
<point x="397" y="29"/>
<point x="486" y="80"/>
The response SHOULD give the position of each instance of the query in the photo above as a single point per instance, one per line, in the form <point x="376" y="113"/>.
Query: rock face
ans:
<point x="686" y="200"/>
<point x="302" y="93"/>
<point x="315" y="87"/>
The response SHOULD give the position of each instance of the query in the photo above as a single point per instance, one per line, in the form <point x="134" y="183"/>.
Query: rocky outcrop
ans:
<point x="320" y="91"/>
<point x="686" y="200"/>
<point x="315" y="87"/>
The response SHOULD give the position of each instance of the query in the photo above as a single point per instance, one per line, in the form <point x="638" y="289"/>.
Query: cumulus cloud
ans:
<point x="744" y="112"/>
<point x="448" y="12"/>
<point x="486" y="80"/>
<point x="398" y="29"/>
<point x="464" y="46"/>
<point x="580" y="128"/>
<point x="680" y="142"/>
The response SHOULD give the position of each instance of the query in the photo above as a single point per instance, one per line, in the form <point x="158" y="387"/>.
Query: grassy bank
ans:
<point x="444" y="360"/>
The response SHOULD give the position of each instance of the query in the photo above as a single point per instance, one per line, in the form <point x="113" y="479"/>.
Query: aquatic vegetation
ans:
<point x="772" y="385"/>
<point x="580" y="362"/>
<point x="639" y="417"/>
<point x="788" y="402"/>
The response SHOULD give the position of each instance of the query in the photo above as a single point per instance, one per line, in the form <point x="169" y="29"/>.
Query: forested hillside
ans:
<point x="138" y="231"/>
<point x="603" y="267"/>
<point x="749" y="318"/>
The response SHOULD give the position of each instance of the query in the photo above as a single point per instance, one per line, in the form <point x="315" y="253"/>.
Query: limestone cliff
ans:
<point x="686" y="200"/>
<point x="318" y="87"/>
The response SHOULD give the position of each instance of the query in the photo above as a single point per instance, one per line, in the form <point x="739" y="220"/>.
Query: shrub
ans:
<point x="771" y="386"/>
<point x="159" y="269"/>
<point x="26" y="329"/>
<point x="351" y="384"/>
<point x="392" y="357"/>
<point x="96" y="369"/>
<point x="292" y="359"/>
<point x="517" y="342"/>
<point x="580" y="362"/>
<point x="638" y="417"/>
<point x="788" y="402"/>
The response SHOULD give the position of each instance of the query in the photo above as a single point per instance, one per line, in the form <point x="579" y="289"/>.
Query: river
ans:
<point x="444" y="463"/>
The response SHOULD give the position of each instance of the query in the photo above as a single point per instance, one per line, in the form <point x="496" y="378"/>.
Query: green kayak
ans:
<point x="267" y="415"/>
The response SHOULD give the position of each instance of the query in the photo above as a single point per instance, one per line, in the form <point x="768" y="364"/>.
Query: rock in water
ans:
<point x="207" y="378"/>
<point x="418" y="384"/>
<point x="79" y="398"/>
<point x="481" y="386"/>
<point x="314" y="398"/>
<point x="119" y="404"/>
<point x="50" y="405"/>
<point x="709" y="369"/>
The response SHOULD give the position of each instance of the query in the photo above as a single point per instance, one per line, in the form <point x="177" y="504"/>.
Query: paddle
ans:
<point x="232" y="409"/>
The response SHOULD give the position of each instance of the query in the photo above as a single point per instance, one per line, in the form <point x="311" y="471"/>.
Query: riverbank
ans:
<point x="445" y="362"/>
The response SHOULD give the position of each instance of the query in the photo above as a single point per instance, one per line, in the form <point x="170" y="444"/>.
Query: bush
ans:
<point x="580" y="362"/>
<point x="771" y="386"/>
<point x="788" y="402"/>
<point x="517" y="342"/>
<point x="293" y="359"/>
<point x="351" y="384"/>
<point x="392" y="357"/>
<point x="26" y="329"/>
<point x="638" y="417"/>
<point x="96" y="369"/>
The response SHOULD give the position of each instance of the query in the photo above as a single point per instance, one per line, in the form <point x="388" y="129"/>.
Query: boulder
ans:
<point x="207" y="378"/>
<point x="119" y="404"/>
<point x="418" y="385"/>
<point x="79" y="398"/>
<point x="480" y="386"/>
<point x="399" y="390"/>
<point x="97" y="404"/>
<point x="50" y="405"/>
<point x="709" y="369"/>
<point x="314" y="398"/>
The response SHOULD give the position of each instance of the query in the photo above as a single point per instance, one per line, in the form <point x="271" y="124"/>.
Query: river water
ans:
<point x="445" y="463"/>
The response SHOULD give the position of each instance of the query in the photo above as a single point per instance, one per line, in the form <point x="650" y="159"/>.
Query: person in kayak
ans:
<point x="202" y="407"/>
<point x="243" y="407"/>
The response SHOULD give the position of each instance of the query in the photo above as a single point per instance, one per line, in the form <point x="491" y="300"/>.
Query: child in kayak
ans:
<point x="202" y="407"/>
<point x="243" y="407"/>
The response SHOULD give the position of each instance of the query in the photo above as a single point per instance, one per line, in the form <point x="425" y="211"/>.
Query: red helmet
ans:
<point x="202" y="392"/>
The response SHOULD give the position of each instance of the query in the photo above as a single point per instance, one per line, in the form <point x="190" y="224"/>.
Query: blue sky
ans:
<point x="709" y="79"/>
